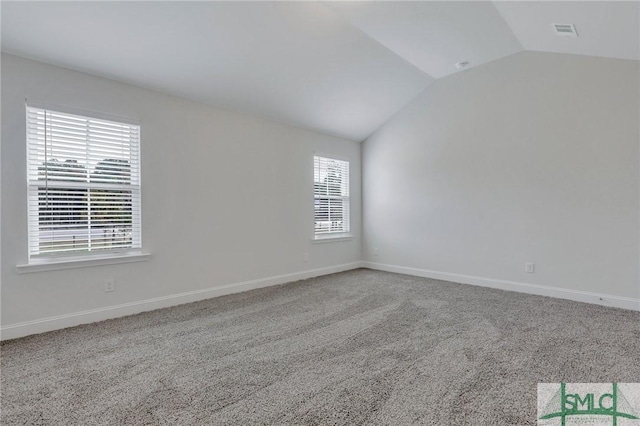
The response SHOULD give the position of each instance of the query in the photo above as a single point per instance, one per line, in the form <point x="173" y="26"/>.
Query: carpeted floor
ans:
<point x="360" y="347"/>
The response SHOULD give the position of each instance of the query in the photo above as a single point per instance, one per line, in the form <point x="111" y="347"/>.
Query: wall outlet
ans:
<point x="109" y="285"/>
<point x="376" y="251"/>
<point x="306" y="257"/>
<point x="530" y="267"/>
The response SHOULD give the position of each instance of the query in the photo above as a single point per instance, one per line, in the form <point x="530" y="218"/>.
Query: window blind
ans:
<point x="331" y="196"/>
<point x="83" y="184"/>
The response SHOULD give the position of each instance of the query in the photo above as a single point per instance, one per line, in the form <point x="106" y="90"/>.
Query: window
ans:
<point x="331" y="197"/>
<point x="83" y="183"/>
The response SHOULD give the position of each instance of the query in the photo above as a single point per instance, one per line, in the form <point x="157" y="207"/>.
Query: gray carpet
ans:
<point x="360" y="347"/>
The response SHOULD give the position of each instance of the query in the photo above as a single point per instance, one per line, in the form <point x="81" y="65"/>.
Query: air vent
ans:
<point x="567" y="30"/>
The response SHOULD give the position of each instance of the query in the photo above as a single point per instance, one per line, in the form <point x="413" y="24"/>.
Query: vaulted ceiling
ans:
<point x="342" y="68"/>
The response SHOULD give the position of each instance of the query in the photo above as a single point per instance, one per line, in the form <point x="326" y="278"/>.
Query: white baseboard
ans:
<point x="22" y="329"/>
<point x="540" y="290"/>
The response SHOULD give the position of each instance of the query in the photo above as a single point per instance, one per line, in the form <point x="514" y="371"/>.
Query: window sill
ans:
<point x="81" y="262"/>
<point x="332" y="238"/>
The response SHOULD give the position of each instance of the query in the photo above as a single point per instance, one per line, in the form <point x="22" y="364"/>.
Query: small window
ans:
<point x="83" y="185"/>
<point x="331" y="197"/>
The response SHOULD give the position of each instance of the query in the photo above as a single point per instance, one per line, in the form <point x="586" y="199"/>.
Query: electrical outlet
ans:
<point x="376" y="251"/>
<point x="530" y="267"/>
<point x="306" y="257"/>
<point x="109" y="285"/>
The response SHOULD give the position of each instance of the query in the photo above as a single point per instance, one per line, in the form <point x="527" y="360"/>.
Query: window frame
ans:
<point x="53" y="261"/>
<point x="342" y="235"/>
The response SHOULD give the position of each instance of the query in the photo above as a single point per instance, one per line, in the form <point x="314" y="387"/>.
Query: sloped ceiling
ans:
<point x="609" y="29"/>
<point x="341" y="68"/>
<point x="292" y="62"/>
<point x="434" y="36"/>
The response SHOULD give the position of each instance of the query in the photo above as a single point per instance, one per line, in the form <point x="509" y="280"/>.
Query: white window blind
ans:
<point x="331" y="196"/>
<point x="83" y="183"/>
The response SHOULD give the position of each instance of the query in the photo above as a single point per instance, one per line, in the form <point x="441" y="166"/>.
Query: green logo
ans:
<point x="586" y="401"/>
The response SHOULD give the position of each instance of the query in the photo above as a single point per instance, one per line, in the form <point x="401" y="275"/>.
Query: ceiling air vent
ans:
<point x="567" y="30"/>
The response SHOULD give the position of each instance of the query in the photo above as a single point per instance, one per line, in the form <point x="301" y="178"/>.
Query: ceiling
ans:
<point x="608" y="29"/>
<point x="434" y="35"/>
<point x="342" y="68"/>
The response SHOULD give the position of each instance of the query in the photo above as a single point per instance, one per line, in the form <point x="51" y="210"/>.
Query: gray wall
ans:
<point x="226" y="197"/>
<point x="529" y="158"/>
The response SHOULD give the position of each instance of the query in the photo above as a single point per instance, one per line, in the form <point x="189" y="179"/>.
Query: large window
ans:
<point x="84" y="184"/>
<point x="331" y="196"/>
